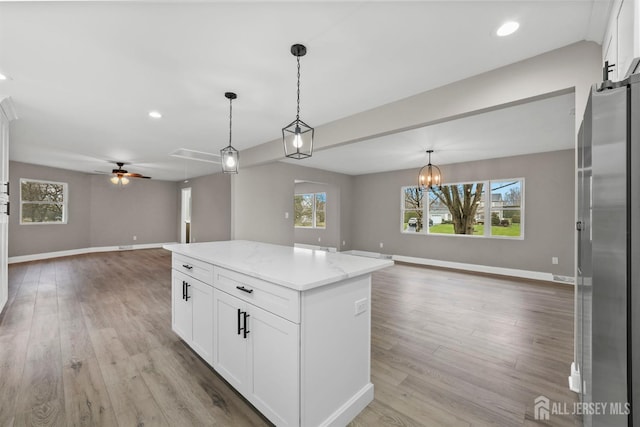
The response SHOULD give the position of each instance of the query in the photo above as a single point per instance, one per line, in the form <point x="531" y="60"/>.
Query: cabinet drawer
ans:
<point x="194" y="268"/>
<point x="276" y="299"/>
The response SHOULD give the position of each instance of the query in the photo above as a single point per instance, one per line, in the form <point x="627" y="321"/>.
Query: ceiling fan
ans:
<point x="121" y="176"/>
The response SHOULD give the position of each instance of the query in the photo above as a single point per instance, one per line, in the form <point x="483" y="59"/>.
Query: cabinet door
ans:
<point x="201" y="299"/>
<point x="181" y="310"/>
<point x="274" y="354"/>
<point x="230" y="346"/>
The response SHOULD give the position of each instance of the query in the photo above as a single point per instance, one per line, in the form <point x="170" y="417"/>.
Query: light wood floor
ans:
<point x="87" y="340"/>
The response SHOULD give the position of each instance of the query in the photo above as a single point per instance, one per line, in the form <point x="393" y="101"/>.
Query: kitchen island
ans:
<point x="289" y="328"/>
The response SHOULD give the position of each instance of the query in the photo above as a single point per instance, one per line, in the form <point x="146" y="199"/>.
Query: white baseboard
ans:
<point x="347" y="412"/>
<point x="315" y="247"/>
<point x="81" y="251"/>
<point x="367" y="254"/>
<point x="501" y="271"/>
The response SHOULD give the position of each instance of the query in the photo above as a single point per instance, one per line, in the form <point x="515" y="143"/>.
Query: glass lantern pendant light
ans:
<point x="297" y="136"/>
<point x="430" y="175"/>
<point x="229" y="155"/>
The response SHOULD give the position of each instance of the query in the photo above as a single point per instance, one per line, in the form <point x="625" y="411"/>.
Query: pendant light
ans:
<point x="229" y="155"/>
<point x="297" y="136"/>
<point x="430" y="175"/>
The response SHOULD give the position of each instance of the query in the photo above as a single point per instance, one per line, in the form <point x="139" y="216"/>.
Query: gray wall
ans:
<point x="143" y="208"/>
<point x="40" y="238"/>
<point x="210" y="207"/>
<point x="549" y="215"/>
<point x="329" y="236"/>
<point x="261" y="195"/>
<point x="99" y="213"/>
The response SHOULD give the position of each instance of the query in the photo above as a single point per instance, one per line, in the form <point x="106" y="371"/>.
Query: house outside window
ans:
<point x="43" y="202"/>
<point x="463" y="209"/>
<point x="310" y="210"/>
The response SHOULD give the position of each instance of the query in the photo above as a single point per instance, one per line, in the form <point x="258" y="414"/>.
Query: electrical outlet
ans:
<point x="319" y="239"/>
<point x="344" y="243"/>
<point x="554" y="260"/>
<point x="286" y="215"/>
<point x="135" y="237"/>
<point x="360" y="306"/>
<point x="381" y="245"/>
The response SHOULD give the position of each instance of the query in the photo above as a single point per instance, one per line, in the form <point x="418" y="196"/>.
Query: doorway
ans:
<point x="185" y="217"/>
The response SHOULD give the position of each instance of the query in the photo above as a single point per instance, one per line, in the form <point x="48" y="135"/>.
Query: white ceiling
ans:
<point x="534" y="127"/>
<point x="83" y="75"/>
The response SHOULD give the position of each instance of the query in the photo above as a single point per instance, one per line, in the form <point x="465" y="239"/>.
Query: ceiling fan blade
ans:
<point x="135" y="175"/>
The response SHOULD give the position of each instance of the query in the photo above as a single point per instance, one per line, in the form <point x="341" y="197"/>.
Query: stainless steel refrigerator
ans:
<point x="608" y="281"/>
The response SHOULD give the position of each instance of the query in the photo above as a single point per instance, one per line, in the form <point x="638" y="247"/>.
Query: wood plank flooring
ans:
<point x="87" y="341"/>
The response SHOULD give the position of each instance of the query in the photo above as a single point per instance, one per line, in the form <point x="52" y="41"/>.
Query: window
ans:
<point x="310" y="210"/>
<point x="412" y="209"/>
<point x="506" y="208"/>
<point x="43" y="202"/>
<point x="463" y="208"/>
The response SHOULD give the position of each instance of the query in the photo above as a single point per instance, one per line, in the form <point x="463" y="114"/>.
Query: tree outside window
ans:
<point x="458" y="204"/>
<point x="42" y="202"/>
<point x="310" y="210"/>
<point x="463" y="208"/>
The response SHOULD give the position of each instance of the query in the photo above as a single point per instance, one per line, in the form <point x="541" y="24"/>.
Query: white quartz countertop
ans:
<point x="296" y="268"/>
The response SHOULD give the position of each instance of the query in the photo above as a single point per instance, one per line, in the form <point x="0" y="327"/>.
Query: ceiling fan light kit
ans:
<point x="121" y="176"/>
<point x="297" y="136"/>
<point x="119" y="179"/>
<point x="230" y="156"/>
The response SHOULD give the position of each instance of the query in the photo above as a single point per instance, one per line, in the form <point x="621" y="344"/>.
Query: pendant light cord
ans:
<point x="298" y="106"/>
<point x="230" y="118"/>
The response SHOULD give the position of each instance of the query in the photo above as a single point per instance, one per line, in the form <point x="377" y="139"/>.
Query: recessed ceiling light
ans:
<point x="508" y="28"/>
<point x="3" y="77"/>
<point x="155" y="114"/>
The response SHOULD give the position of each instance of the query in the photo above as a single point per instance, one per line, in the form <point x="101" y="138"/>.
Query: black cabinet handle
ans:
<point x="187" y="266"/>
<point x="186" y="292"/>
<point x="8" y="205"/>
<point x="239" y="316"/>
<point x="243" y="289"/>
<point x="183" y="289"/>
<point x="246" y="329"/>
<point x="7" y="184"/>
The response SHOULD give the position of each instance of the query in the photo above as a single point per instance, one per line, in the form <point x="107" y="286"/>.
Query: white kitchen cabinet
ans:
<point x="192" y="314"/>
<point x="291" y="327"/>
<point x="258" y="353"/>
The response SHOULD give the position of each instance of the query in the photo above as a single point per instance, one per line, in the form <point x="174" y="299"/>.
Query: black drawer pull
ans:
<point x="187" y="266"/>
<point x="243" y="289"/>
<point x="246" y="329"/>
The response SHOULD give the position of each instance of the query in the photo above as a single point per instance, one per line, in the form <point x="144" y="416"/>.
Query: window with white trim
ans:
<point x="485" y="208"/>
<point x="310" y="210"/>
<point x="43" y="202"/>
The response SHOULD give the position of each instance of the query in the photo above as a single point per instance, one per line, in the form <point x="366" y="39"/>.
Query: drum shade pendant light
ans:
<point x="297" y="136"/>
<point x="229" y="155"/>
<point x="430" y="175"/>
